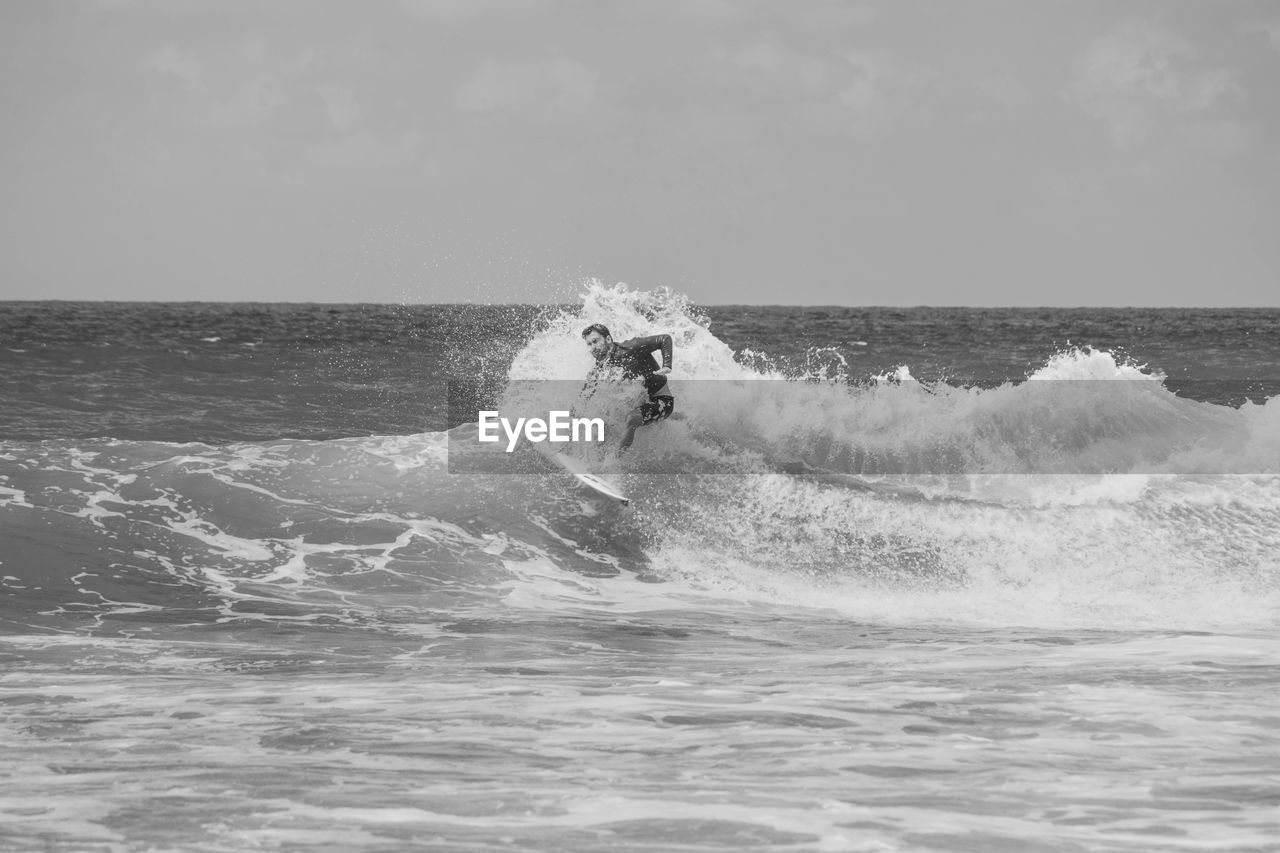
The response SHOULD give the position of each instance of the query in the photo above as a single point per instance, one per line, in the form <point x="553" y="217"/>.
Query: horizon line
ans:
<point x="691" y="302"/>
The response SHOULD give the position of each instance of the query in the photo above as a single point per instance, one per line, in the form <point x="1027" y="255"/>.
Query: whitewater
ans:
<point x="850" y="608"/>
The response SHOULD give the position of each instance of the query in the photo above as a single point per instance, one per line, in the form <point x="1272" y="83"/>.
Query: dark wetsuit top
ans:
<point x="635" y="357"/>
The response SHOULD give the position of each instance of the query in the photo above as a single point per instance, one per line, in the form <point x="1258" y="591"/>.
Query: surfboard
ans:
<point x="578" y="469"/>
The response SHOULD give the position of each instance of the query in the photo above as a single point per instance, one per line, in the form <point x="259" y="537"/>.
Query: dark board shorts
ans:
<point x="657" y="408"/>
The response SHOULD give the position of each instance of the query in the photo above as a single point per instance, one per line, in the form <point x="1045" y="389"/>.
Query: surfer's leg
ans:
<point x="657" y="409"/>
<point x="633" y="423"/>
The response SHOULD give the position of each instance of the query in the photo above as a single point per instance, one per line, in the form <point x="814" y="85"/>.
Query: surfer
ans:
<point x="634" y="358"/>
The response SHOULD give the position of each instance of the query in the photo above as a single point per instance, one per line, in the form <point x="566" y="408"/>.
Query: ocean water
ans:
<point x="898" y="579"/>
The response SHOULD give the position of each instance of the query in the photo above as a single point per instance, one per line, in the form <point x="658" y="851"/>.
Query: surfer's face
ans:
<point x="598" y="344"/>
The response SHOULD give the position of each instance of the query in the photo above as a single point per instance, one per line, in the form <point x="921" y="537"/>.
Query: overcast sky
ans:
<point x="984" y="152"/>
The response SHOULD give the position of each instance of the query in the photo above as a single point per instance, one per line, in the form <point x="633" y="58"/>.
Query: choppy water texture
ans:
<point x="250" y="600"/>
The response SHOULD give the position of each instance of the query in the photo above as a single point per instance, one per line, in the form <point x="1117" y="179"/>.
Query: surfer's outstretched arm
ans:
<point x="651" y="344"/>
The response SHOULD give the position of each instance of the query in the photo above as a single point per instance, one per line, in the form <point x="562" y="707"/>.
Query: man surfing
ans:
<point x="634" y="358"/>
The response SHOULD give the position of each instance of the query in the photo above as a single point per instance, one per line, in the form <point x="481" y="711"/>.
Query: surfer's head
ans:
<point x="598" y="339"/>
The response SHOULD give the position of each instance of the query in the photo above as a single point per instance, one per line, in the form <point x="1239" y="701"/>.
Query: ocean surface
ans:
<point x="897" y="579"/>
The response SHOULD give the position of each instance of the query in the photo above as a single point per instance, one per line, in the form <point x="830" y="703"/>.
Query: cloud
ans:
<point x="174" y="6"/>
<point x="177" y="62"/>
<point x="1222" y="137"/>
<point x="241" y="82"/>
<point x="1138" y="78"/>
<point x="770" y="64"/>
<point x="836" y="16"/>
<point x="456" y="10"/>
<point x="695" y="11"/>
<point x="866" y="95"/>
<point x="548" y="88"/>
<point x="815" y="16"/>
<point x="260" y="107"/>
<point x="1273" y="34"/>
<point x="851" y="91"/>
<point x="343" y="109"/>
<point x="1133" y="59"/>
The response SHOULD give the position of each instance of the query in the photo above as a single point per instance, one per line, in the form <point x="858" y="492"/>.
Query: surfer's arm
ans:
<point x="652" y="344"/>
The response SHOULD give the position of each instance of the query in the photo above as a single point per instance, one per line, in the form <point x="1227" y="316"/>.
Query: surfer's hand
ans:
<point x="662" y="371"/>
